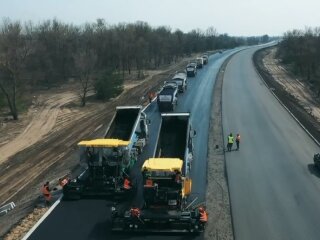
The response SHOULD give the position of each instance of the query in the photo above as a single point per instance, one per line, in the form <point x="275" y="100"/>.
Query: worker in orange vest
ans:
<point x="126" y="184"/>
<point x="63" y="181"/>
<point x="238" y="141"/>
<point x="46" y="193"/>
<point x="177" y="177"/>
<point x="135" y="212"/>
<point x="203" y="215"/>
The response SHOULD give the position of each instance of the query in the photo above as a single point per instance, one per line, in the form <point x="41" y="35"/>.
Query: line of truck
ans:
<point x="168" y="96"/>
<point x="167" y="185"/>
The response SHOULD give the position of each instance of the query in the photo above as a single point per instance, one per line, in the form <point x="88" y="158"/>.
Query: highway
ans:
<point x="90" y="219"/>
<point x="274" y="195"/>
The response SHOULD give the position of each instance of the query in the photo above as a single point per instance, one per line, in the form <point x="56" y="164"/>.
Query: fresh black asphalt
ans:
<point x="90" y="218"/>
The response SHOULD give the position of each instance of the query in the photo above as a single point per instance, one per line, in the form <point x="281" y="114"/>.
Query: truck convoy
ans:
<point x="110" y="159"/>
<point x="167" y="184"/>
<point x="168" y="97"/>
<point x="180" y="78"/>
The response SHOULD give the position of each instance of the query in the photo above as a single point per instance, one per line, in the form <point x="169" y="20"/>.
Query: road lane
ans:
<point x="273" y="194"/>
<point x="90" y="219"/>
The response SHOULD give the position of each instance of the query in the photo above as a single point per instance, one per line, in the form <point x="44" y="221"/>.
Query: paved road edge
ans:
<point x="256" y="67"/>
<point x="220" y="224"/>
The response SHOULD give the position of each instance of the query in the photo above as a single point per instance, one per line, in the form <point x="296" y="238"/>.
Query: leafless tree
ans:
<point x="14" y="50"/>
<point x="85" y="64"/>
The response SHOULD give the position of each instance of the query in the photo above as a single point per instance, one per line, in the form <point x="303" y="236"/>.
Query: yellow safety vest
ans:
<point x="230" y="139"/>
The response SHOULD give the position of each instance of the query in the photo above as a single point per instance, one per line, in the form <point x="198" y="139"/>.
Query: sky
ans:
<point x="234" y="17"/>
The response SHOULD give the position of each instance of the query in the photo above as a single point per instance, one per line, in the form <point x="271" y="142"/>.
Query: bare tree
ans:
<point x="85" y="64"/>
<point x="14" y="50"/>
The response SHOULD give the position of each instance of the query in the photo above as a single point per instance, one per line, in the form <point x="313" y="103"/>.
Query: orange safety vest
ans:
<point x="203" y="217"/>
<point x="126" y="184"/>
<point x="135" y="212"/>
<point x="46" y="193"/>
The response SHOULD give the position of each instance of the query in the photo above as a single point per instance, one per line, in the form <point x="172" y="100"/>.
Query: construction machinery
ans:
<point x="167" y="184"/>
<point x="180" y="78"/>
<point x="109" y="160"/>
<point x="168" y="97"/>
<point x="191" y="69"/>
<point x="205" y="59"/>
<point x="199" y="62"/>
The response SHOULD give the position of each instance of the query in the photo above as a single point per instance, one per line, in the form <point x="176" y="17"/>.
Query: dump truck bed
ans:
<point x="123" y="123"/>
<point x="172" y="139"/>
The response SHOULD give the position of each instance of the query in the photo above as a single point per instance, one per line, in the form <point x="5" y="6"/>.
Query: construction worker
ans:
<point x="177" y="177"/>
<point x="149" y="183"/>
<point x="150" y="96"/>
<point x="230" y="142"/>
<point x="63" y="181"/>
<point x="203" y="215"/>
<point x="126" y="184"/>
<point x="46" y="193"/>
<point x="238" y="141"/>
<point x="135" y="212"/>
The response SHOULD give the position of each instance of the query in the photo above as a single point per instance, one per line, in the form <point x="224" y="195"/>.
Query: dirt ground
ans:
<point x="299" y="89"/>
<point x="36" y="147"/>
<point x="47" y="135"/>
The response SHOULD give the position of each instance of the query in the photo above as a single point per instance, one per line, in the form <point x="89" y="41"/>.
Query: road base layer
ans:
<point x="217" y="197"/>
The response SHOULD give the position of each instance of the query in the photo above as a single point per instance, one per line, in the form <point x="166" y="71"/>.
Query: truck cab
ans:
<point x="168" y="97"/>
<point x="205" y="59"/>
<point x="181" y="79"/>
<point x="191" y="69"/>
<point x="199" y="62"/>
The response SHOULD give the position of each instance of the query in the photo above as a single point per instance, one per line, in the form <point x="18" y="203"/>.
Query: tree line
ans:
<point x="96" y="54"/>
<point x="300" y="49"/>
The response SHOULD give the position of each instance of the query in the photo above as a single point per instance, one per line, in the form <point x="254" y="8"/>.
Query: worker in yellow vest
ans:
<point x="230" y="142"/>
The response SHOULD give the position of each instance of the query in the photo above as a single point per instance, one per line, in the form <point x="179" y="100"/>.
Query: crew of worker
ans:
<point x="231" y="140"/>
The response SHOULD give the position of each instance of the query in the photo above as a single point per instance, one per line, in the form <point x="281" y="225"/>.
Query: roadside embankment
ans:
<point x="217" y="197"/>
<point x="294" y="98"/>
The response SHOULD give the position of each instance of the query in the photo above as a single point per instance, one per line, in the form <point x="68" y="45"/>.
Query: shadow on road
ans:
<point x="148" y="235"/>
<point x="314" y="170"/>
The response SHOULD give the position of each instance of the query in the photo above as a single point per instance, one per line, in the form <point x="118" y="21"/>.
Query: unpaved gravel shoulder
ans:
<point x="217" y="198"/>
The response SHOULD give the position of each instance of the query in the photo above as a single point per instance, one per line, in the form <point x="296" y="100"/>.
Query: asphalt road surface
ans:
<point x="274" y="189"/>
<point x="90" y="219"/>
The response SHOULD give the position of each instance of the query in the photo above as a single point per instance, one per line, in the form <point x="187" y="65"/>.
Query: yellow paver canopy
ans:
<point x="163" y="164"/>
<point x="104" y="142"/>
